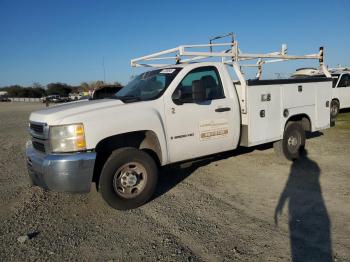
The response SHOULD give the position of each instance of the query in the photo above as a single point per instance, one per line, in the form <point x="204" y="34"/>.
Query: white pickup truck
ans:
<point x="170" y="114"/>
<point x="341" y="90"/>
<point x="341" y="86"/>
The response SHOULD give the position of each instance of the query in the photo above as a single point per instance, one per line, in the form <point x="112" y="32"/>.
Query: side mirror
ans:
<point x="177" y="97"/>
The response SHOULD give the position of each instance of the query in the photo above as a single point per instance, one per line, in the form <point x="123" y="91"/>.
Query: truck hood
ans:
<point x="55" y="114"/>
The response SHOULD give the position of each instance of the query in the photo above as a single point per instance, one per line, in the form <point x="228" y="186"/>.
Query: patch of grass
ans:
<point x="343" y="120"/>
<point x="344" y="115"/>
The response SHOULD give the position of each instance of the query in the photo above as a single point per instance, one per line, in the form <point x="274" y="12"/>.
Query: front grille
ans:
<point x="37" y="128"/>
<point x="39" y="146"/>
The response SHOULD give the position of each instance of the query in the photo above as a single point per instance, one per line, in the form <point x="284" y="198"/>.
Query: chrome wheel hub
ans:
<point x="334" y="110"/>
<point x="130" y="180"/>
<point x="292" y="141"/>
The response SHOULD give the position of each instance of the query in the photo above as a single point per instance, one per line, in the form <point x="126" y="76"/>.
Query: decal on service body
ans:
<point x="167" y="71"/>
<point x="212" y="129"/>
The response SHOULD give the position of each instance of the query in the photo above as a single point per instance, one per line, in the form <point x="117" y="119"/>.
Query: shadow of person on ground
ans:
<point x="309" y="223"/>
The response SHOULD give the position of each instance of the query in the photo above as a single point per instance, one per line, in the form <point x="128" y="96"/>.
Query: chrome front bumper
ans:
<point x="60" y="172"/>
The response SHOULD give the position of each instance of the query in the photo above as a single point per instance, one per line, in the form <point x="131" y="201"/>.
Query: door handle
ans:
<point x="222" y="109"/>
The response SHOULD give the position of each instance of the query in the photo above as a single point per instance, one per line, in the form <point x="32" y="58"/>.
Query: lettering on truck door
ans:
<point x="199" y="116"/>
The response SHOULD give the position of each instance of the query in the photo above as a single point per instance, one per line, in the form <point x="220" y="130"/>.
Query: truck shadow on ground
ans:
<point x="172" y="175"/>
<point x="344" y="110"/>
<point x="309" y="222"/>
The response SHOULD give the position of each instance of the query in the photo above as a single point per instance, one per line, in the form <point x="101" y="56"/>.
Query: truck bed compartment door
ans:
<point x="323" y="97"/>
<point x="298" y="95"/>
<point x="264" y="113"/>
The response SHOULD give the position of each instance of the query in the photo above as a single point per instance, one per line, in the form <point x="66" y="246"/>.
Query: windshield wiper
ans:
<point x="128" y="98"/>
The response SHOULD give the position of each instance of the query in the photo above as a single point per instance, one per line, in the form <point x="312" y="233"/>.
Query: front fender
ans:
<point x="139" y="116"/>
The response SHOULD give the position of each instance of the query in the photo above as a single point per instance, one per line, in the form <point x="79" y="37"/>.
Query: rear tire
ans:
<point x="334" y="111"/>
<point x="293" y="142"/>
<point x="334" y="108"/>
<point x="128" y="178"/>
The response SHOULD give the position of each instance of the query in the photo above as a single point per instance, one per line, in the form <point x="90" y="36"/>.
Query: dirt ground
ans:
<point x="247" y="205"/>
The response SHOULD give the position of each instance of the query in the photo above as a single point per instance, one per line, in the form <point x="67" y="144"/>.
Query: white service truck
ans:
<point x="170" y="114"/>
<point x="341" y="86"/>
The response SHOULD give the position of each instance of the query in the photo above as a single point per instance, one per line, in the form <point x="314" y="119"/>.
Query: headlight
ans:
<point x="67" y="138"/>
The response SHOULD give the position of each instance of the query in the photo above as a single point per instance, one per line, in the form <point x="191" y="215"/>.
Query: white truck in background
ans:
<point x="4" y="96"/>
<point x="341" y="86"/>
<point x="173" y="113"/>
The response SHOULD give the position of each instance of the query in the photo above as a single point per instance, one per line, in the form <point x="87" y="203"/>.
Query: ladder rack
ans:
<point x="230" y="55"/>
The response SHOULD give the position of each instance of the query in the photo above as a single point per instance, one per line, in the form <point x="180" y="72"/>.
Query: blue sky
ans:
<point x="66" y="41"/>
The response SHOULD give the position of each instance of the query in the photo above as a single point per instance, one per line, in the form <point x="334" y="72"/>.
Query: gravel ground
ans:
<point x="243" y="206"/>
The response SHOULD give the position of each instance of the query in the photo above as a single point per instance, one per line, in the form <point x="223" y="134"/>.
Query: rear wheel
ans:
<point x="334" y="111"/>
<point x="293" y="142"/>
<point x="128" y="178"/>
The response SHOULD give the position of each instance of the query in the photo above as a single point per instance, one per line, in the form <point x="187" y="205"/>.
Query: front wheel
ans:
<point x="128" y="178"/>
<point x="293" y="142"/>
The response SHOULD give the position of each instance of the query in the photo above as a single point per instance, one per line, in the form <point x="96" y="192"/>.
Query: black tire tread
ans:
<point x="117" y="158"/>
<point x="281" y="147"/>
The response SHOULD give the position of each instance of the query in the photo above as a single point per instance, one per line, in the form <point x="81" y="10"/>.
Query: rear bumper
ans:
<point x="60" y="172"/>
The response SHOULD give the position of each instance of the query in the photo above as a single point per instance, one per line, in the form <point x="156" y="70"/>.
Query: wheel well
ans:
<point x="336" y="99"/>
<point x="303" y="119"/>
<point x="144" y="140"/>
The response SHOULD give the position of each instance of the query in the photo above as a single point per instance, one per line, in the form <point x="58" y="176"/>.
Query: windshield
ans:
<point x="147" y="86"/>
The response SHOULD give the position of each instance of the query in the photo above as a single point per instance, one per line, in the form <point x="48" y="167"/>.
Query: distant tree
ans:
<point x="58" y="89"/>
<point x="19" y="91"/>
<point x="37" y="90"/>
<point x="75" y="89"/>
<point x="14" y="91"/>
<point x="96" y="84"/>
<point x="37" y="85"/>
<point x="84" y="87"/>
<point x="99" y="83"/>
<point x="116" y="83"/>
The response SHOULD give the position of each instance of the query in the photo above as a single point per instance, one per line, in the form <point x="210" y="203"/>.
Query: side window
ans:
<point x="201" y="82"/>
<point x="344" y="81"/>
<point x="160" y="79"/>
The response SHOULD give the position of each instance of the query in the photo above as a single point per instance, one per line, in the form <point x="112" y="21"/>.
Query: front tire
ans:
<point x="293" y="142"/>
<point x="128" y="178"/>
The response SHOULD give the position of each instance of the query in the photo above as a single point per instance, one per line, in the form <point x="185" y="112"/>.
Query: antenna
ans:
<point x="231" y="35"/>
<point x="104" y="69"/>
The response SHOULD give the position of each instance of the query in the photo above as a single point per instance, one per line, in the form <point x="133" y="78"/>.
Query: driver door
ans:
<point x="199" y="117"/>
